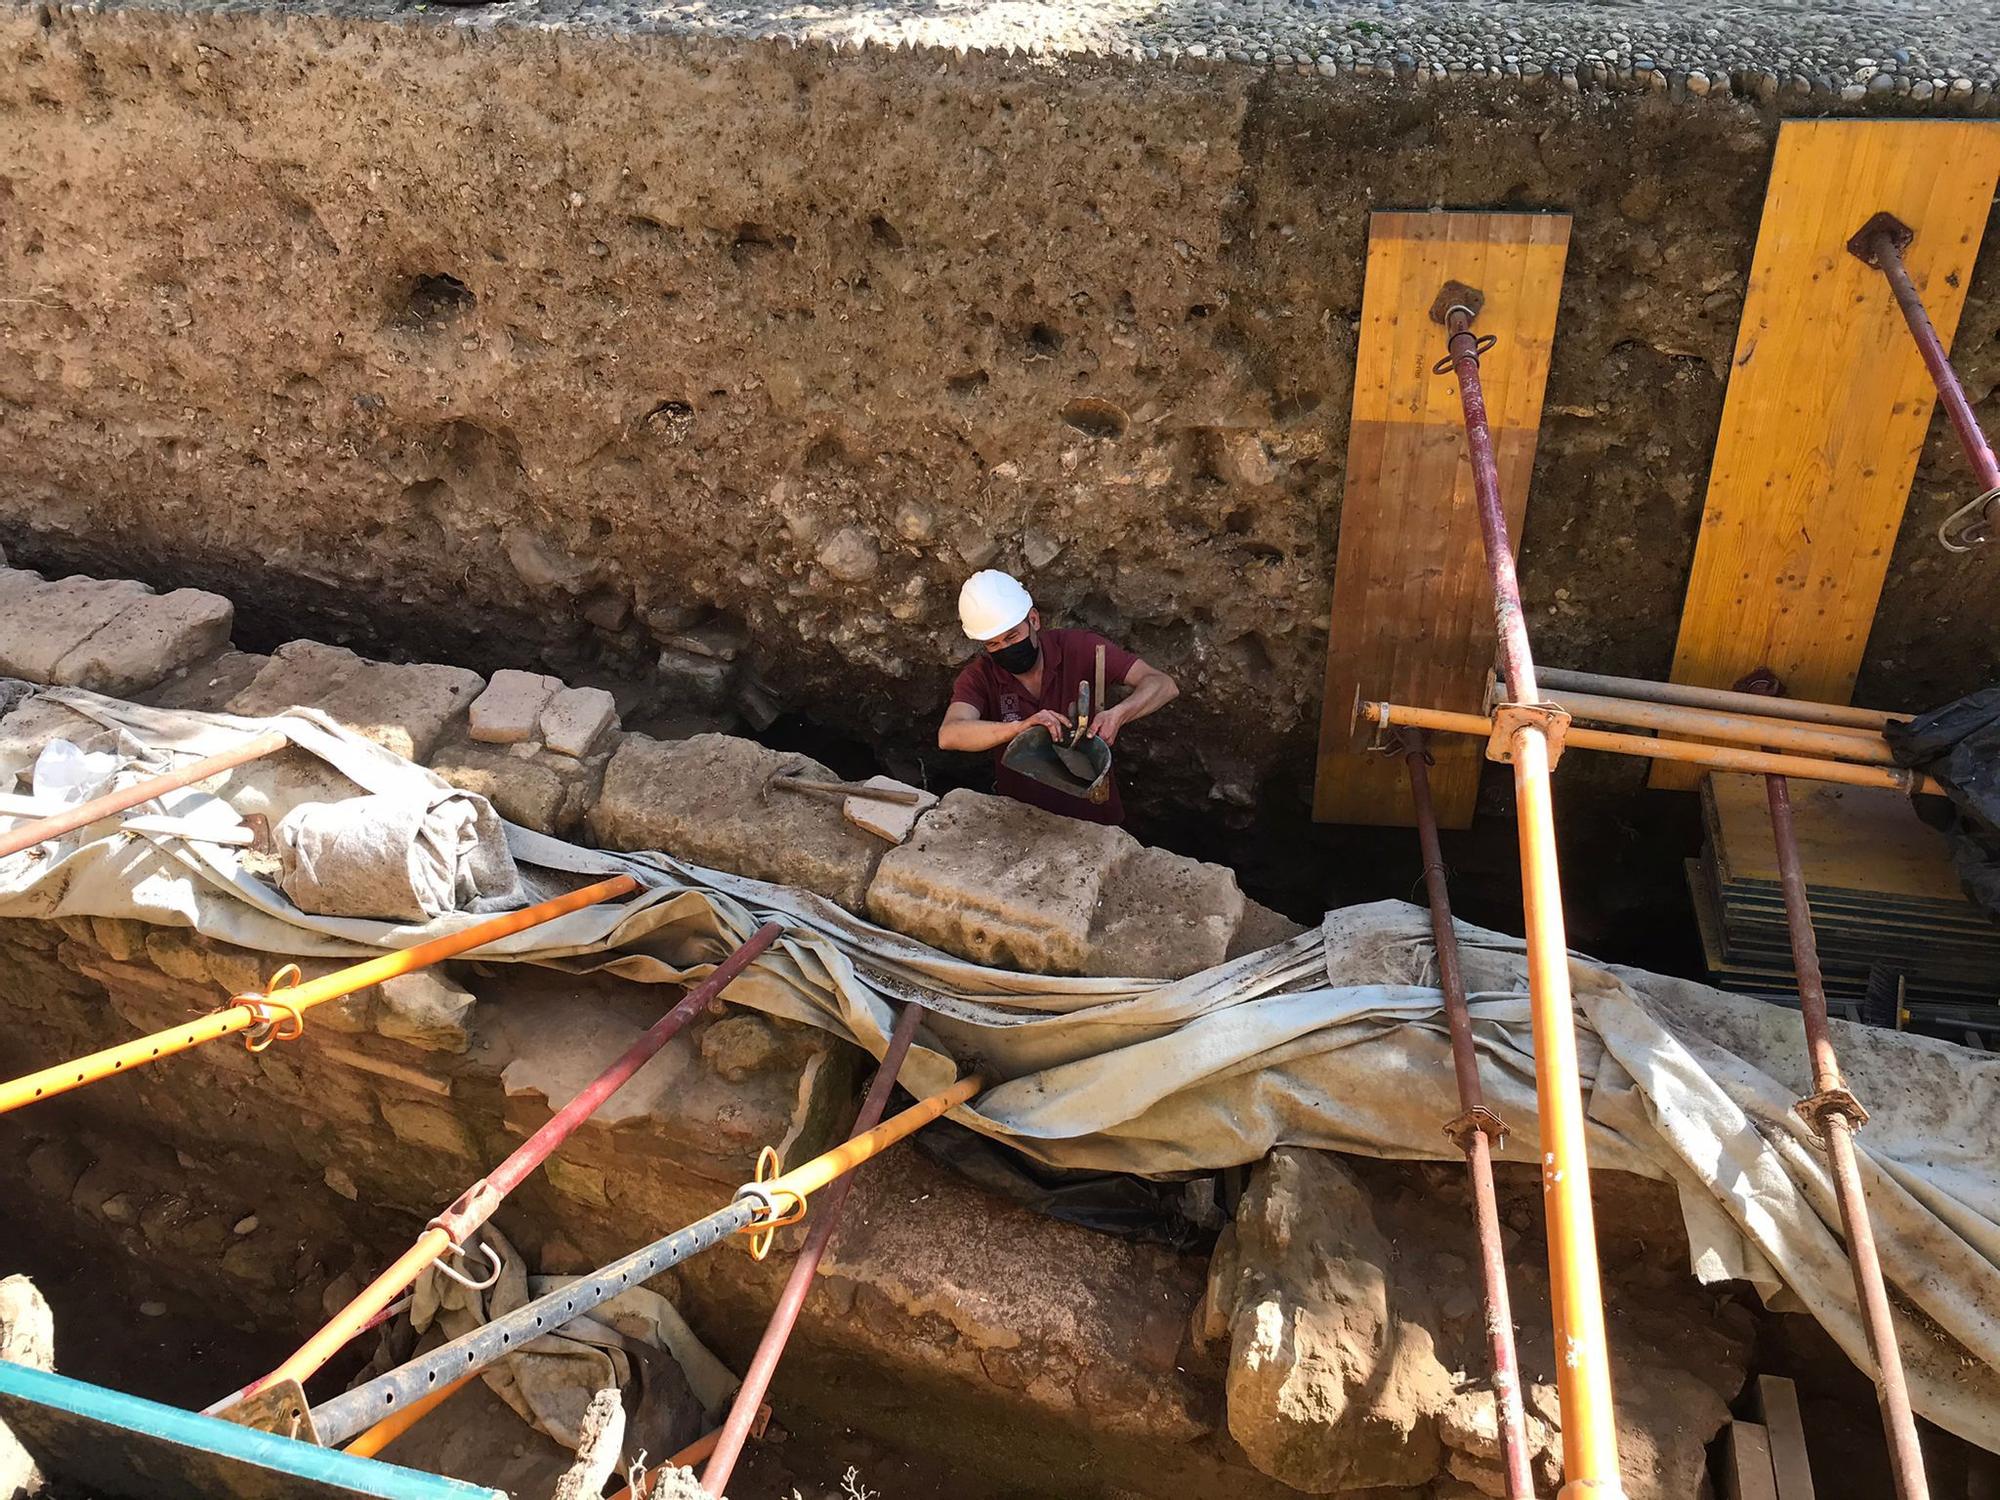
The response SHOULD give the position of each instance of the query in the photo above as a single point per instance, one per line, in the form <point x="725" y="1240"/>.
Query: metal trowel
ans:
<point x="1074" y="760"/>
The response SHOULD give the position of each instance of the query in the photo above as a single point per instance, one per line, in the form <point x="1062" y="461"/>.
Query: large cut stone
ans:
<point x="548" y="793"/>
<point x="576" y="719"/>
<point x="42" y="622"/>
<point x="153" y="638"/>
<point x="207" y="684"/>
<point x="1261" y="928"/>
<point x="404" y="708"/>
<point x="1329" y="1388"/>
<point x="1164" y="916"/>
<point x="111" y="635"/>
<point x="999" y="882"/>
<point x="511" y="707"/>
<point x="709" y="800"/>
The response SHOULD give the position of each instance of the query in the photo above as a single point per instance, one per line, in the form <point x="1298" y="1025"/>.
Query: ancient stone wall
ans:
<point x="714" y="367"/>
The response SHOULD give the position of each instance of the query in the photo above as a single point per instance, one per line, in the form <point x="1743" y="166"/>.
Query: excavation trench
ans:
<point x="698" y="374"/>
<point x="982" y="1326"/>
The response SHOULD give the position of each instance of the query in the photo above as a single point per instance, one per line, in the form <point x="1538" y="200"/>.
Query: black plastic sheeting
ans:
<point x="1182" y="1213"/>
<point x="1959" y="744"/>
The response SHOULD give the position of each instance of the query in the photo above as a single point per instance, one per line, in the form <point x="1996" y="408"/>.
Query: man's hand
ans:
<point x="1049" y="719"/>
<point x="1105" y="726"/>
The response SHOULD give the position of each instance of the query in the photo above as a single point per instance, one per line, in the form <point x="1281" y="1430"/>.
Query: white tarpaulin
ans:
<point x="1333" y="1040"/>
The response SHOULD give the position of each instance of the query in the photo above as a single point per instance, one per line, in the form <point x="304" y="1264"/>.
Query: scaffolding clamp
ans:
<point x="1478" y="1119"/>
<point x="1815" y="1108"/>
<point x="280" y="1407"/>
<point x="1552" y="719"/>
<point x="771" y="1216"/>
<point x="276" y="1020"/>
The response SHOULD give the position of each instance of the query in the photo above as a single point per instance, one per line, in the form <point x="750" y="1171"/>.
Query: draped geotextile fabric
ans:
<point x="1334" y="1040"/>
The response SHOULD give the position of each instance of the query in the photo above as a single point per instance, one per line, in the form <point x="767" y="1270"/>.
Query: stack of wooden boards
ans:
<point x="1766" y="1459"/>
<point x="1883" y="896"/>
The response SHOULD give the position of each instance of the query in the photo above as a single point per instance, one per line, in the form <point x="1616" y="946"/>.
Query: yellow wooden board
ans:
<point x="1412" y="614"/>
<point x="1828" y="402"/>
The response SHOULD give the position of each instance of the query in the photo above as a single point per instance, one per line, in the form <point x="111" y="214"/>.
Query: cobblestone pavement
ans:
<point x="1915" y="52"/>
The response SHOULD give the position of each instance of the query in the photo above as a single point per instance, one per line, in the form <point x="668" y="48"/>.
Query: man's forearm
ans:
<point x="975" y="734"/>
<point x="1152" y="694"/>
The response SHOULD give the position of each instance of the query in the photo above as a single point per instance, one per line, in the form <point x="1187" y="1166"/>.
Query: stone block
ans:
<point x="153" y="638"/>
<point x="428" y="1125"/>
<point x="1164" y="916"/>
<point x="1330" y="1387"/>
<point x="425" y="1009"/>
<point x="576" y="718"/>
<point x="999" y="882"/>
<point x="737" y="1046"/>
<point x="889" y="821"/>
<point x="523" y="789"/>
<point x="511" y="707"/>
<point x="406" y="709"/>
<point x="1261" y="928"/>
<point x="584" y="1184"/>
<point x="173" y="955"/>
<point x="208" y="684"/>
<point x="708" y="800"/>
<point x="43" y="622"/>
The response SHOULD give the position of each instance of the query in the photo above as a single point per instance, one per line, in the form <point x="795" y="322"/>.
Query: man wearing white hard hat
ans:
<point x="1026" y="675"/>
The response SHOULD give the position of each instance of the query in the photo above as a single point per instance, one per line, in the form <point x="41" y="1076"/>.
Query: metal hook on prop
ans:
<point x="1956" y="538"/>
<point x="493" y="1260"/>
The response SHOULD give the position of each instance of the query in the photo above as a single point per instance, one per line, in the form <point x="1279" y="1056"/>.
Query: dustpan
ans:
<point x="1033" y="754"/>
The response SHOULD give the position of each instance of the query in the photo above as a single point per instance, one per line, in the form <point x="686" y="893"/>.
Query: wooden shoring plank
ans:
<point x="1785" y="1430"/>
<point x="1746" y="1463"/>
<point x="1412" y="617"/>
<point x="1828" y="403"/>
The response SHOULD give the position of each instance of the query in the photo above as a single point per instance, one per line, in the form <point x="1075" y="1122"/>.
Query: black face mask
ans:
<point x="1018" y="657"/>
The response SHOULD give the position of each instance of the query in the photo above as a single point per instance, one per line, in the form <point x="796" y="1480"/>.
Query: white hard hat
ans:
<point x="992" y="603"/>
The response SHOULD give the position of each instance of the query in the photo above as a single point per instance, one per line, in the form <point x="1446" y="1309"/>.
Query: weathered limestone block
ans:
<point x="708" y="800"/>
<point x="1329" y="1388"/>
<point x="406" y="709"/>
<point x="1261" y="928"/>
<point x="548" y="793"/>
<point x="154" y="637"/>
<point x="1469" y="1427"/>
<point x="426" y="1009"/>
<point x="510" y="709"/>
<point x="679" y="1115"/>
<point x="1164" y="916"/>
<point x="999" y="882"/>
<point x="1002" y="883"/>
<point x="738" y="1045"/>
<point x="576" y="719"/>
<point x="1083" y="1327"/>
<point x="431" y="1126"/>
<point x="208" y="684"/>
<point x="41" y="622"/>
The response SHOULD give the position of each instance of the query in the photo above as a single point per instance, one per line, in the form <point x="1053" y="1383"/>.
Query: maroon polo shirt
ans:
<point x="1069" y="658"/>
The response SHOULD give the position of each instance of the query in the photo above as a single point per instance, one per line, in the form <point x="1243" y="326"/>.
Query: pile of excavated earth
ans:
<point x="1333" y="1343"/>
